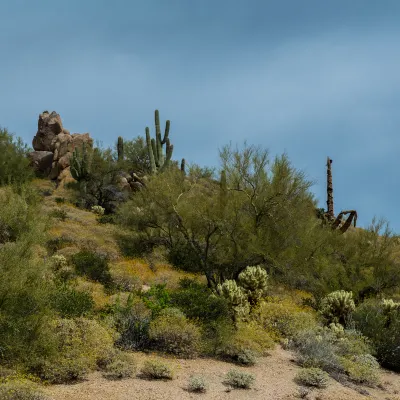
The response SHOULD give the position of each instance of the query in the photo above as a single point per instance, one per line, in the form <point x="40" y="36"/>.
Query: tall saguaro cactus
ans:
<point x="80" y="164"/>
<point x="329" y="188"/>
<point x="158" y="158"/>
<point x="120" y="148"/>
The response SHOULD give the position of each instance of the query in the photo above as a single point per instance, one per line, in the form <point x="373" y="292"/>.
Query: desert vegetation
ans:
<point x="195" y="262"/>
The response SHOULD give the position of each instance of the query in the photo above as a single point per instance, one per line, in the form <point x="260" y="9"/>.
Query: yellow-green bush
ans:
<point x="173" y="333"/>
<point x="82" y="344"/>
<point x="284" y="318"/>
<point x="362" y="368"/>
<point x="20" y="389"/>
<point x="154" y="369"/>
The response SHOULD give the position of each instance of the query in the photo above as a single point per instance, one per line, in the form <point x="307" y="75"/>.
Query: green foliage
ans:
<point x="20" y="390"/>
<point x="362" y="369"/>
<point x="173" y="333"/>
<point x="69" y="302"/>
<point x="82" y="344"/>
<point x="253" y="280"/>
<point x="338" y="306"/>
<point x="197" y="384"/>
<point x="381" y="324"/>
<point x="198" y="302"/>
<point x="236" y="297"/>
<point x="14" y="165"/>
<point x="119" y="368"/>
<point x="153" y="369"/>
<point x="136" y="155"/>
<point x="313" y="377"/>
<point x="157" y="298"/>
<point x="239" y="380"/>
<point x="92" y="265"/>
<point x="120" y="148"/>
<point x="59" y="213"/>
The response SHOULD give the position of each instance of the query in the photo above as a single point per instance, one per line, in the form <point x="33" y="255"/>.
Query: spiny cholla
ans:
<point x="236" y="296"/>
<point x="337" y="306"/>
<point x="389" y="305"/>
<point x="253" y="280"/>
<point x="98" y="210"/>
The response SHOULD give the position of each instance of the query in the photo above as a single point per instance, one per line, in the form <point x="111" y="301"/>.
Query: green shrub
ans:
<point x="157" y="298"/>
<point x="70" y="303"/>
<point x="92" y="265"/>
<point x="198" y="302"/>
<point x="239" y="379"/>
<point x="119" y="369"/>
<point x="382" y="326"/>
<point x="362" y="369"/>
<point x="197" y="384"/>
<point x="338" y="306"/>
<point x="106" y="219"/>
<point x="14" y="163"/>
<point x="153" y="369"/>
<point x="82" y="344"/>
<point x="313" y="377"/>
<point x="59" y="200"/>
<point x="59" y="213"/>
<point x="20" y="390"/>
<point x="173" y="333"/>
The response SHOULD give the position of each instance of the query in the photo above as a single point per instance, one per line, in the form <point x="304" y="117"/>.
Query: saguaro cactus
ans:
<point x="120" y="148"/>
<point x="80" y="164"/>
<point x="329" y="188"/>
<point x="158" y="159"/>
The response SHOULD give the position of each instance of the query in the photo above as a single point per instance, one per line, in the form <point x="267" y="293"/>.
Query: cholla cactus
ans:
<point x="98" y="210"/>
<point x="337" y="306"/>
<point x="59" y="261"/>
<point x="236" y="297"/>
<point x="253" y="280"/>
<point x="390" y="305"/>
<point x="337" y="329"/>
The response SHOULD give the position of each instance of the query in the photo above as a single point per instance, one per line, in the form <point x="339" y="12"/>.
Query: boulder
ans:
<point x="41" y="161"/>
<point x="49" y="126"/>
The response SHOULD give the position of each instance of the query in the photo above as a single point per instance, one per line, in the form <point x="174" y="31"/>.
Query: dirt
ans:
<point x="274" y="381"/>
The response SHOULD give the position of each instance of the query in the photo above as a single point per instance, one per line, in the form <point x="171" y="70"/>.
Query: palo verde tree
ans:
<point x="249" y="216"/>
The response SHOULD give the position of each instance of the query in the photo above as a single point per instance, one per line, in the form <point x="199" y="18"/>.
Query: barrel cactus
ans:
<point x="237" y="298"/>
<point x="254" y="281"/>
<point x="337" y="306"/>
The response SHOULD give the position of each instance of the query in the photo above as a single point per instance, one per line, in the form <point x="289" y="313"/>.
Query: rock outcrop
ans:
<point x="54" y="145"/>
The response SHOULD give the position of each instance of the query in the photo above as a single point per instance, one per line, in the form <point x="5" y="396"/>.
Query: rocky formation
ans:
<point x="54" y="145"/>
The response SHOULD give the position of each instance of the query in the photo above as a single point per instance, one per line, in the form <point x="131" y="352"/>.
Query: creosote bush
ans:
<point x="239" y="380"/>
<point x="154" y="369"/>
<point x="197" y="384"/>
<point x="313" y="377"/>
<point x="173" y="333"/>
<point x="20" y="390"/>
<point x="119" y="369"/>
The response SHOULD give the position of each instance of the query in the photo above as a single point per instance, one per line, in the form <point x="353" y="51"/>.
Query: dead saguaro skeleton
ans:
<point x="329" y="215"/>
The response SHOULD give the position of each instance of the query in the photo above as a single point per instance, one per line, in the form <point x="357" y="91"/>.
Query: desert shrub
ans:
<point x="362" y="368"/>
<point x="119" y="368"/>
<point x="92" y="265"/>
<point x="154" y="369"/>
<point x="239" y="379"/>
<point x="157" y="298"/>
<point x="20" y="390"/>
<point x="173" y="333"/>
<point x="59" y="243"/>
<point x="59" y="213"/>
<point x="82" y="343"/>
<point x="247" y="343"/>
<point x="59" y="261"/>
<point x="198" y="302"/>
<point x="337" y="306"/>
<point x="254" y="282"/>
<point x="197" y="384"/>
<point x="283" y="317"/>
<point x="70" y="303"/>
<point x="382" y="326"/>
<point x="215" y="335"/>
<point x="132" y="321"/>
<point x="14" y="163"/>
<point x="59" y="200"/>
<point x="313" y="377"/>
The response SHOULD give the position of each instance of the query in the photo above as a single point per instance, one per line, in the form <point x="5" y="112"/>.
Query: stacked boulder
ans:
<point x="54" y="146"/>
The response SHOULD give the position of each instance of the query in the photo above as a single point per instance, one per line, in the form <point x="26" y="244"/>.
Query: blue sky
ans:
<point x="310" y="78"/>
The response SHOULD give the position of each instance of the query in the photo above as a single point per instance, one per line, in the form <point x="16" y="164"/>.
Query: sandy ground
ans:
<point x="274" y="381"/>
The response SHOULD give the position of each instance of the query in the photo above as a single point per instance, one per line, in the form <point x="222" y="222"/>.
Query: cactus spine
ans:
<point x="120" y="148"/>
<point x="158" y="159"/>
<point x="337" y="306"/>
<point x="237" y="298"/>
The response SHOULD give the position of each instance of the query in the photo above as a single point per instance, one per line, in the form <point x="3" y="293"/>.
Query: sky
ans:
<point x="310" y="78"/>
